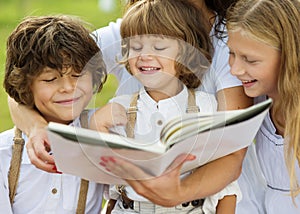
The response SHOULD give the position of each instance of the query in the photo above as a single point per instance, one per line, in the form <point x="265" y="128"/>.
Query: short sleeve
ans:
<point x="210" y="203"/>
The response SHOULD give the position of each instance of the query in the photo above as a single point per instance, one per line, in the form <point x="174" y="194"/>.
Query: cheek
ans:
<point x="40" y="97"/>
<point x="132" y="65"/>
<point x="171" y="67"/>
<point x="38" y="92"/>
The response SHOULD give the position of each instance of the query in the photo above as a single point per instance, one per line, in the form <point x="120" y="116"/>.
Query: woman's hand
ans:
<point x="166" y="190"/>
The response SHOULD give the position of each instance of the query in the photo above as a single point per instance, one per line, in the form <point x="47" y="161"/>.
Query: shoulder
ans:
<point x="206" y="102"/>
<point x="6" y="142"/>
<point x="6" y="138"/>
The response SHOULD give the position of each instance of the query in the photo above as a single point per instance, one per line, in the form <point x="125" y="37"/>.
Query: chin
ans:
<point x="252" y="93"/>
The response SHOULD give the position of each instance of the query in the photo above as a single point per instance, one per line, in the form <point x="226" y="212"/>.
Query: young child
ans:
<point x="264" y="54"/>
<point x="163" y="52"/>
<point x="54" y="66"/>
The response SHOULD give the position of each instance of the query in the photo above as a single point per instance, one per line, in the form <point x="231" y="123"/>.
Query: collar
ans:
<point x="177" y="101"/>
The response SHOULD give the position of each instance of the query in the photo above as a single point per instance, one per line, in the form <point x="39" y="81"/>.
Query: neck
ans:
<point x="278" y="119"/>
<point x="161" y="94"/>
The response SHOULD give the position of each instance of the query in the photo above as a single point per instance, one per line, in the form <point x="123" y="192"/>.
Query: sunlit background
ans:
<point x="97" y="12"/>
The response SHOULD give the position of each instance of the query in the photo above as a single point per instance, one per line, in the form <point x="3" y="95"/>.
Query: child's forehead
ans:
<point x="66" y="69"/>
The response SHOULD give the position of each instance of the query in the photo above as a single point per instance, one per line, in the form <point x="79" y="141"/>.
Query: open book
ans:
<point x="208" y="136"/>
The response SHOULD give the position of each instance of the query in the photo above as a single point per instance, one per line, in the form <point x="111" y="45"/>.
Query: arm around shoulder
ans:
<point x="25" y="118"/>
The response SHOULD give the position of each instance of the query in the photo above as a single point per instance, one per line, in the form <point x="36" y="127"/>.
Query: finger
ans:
<point x="125" y="169"/>
<point x="40" y="164"/>
<point x="41" y="148"/>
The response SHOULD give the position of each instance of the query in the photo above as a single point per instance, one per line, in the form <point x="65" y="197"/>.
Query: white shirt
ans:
<point x="216" y="79"/>
<point x="270" y="153"/>
<point x="41" y="192"/>
<point x="151" y="113"/>
<point x="265" y="181"/>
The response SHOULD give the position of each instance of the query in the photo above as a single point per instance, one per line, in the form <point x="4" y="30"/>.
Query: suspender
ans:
<point x="131" y="113"/>
<point x="14" y="170"/>
<point x="84" y="184"/>
<point x="15" y="163"/>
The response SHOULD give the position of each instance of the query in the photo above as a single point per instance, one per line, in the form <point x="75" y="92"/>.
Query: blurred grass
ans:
<point x="12" y="12"/>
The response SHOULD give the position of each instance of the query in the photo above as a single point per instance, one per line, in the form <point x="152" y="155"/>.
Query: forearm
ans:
<point x="25" y="118"/>
<point x="212" y="177"/>
<point x="227" y="205"/>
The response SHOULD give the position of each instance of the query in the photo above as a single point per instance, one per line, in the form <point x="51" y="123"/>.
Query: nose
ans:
<point x="236" y="66"/>
<point x="146" y="53"/>
<point x="67" y="84"/>
<point x="145" y="56"/>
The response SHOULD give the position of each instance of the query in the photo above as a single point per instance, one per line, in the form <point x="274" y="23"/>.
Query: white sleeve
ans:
<point x="219" y="77"/>
<point x="211" y="202"/>
<point x="109" y="40"/>
<point x="5" y="156"/>
<point x="5" y="206"/>
<point x="223" y="77"/>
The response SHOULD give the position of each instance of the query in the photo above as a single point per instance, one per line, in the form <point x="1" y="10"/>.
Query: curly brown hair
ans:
<point x="56" y="42"/>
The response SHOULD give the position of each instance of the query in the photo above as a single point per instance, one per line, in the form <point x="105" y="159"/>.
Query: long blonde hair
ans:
<point x="277" y="23"/>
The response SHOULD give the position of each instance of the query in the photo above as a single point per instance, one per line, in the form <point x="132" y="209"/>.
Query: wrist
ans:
<point x="36" y="128"/>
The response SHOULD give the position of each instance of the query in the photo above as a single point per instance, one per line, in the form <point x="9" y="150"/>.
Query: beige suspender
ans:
<point x="14" y="170"/>
<point x="131" y="113"/>
<point x="84" y="184"/>
<point x="192" y="107"/>
<point x="15" y="163"/>
<point x="131" y="116"/>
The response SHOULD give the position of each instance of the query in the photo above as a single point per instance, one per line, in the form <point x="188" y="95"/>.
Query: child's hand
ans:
<point x="38" y="150"/>
<point x="151" y="187"/>
<point x="110" y="115"/>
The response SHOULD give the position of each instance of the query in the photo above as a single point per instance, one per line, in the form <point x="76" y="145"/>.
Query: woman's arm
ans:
<point x="33" y="125"/>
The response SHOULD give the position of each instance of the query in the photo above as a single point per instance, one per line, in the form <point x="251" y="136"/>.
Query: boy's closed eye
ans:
<point x="50" y="79"/>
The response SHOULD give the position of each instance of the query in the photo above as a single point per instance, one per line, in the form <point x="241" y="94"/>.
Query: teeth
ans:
<point x="248" y="81"/>
<point x="149" y="69"/>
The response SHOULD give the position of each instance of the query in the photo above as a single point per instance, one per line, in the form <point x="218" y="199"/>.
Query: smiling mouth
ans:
<point x="248" y="81"/>
<point x="68" y="101"/>
<point x="149" y="69"/>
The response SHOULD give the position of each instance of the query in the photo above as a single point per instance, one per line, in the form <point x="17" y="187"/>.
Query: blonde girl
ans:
<point x="264" y="55"/>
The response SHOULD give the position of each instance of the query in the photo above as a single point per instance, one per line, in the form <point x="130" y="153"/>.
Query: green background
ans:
<point x="12" y="12"/>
